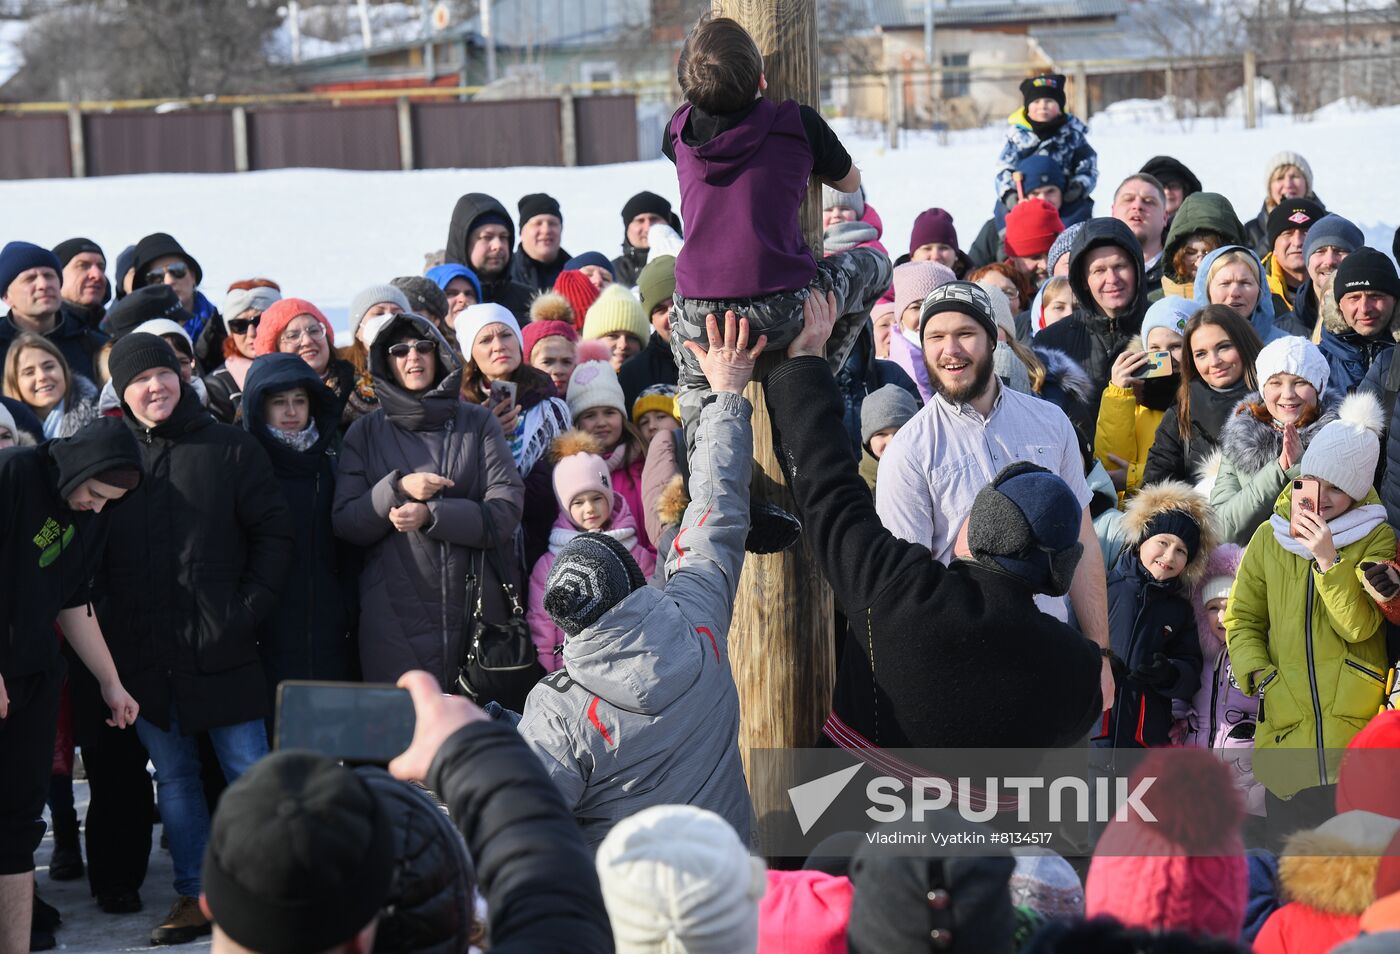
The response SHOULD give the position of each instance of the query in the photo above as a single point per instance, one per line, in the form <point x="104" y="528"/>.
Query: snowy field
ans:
<point x="323" y="234"/>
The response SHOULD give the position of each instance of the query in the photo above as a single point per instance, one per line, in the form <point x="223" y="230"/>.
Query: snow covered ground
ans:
<point x="324" y="234"/>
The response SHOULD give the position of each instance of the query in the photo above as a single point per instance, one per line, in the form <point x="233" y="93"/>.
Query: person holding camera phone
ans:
<point x="524" y="400"/>
<point x="426" y="486"/>
<point x="1302" y="633"/>
<point x="1142" y="384"/>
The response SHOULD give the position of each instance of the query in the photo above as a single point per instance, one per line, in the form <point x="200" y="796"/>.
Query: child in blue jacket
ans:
<point x="1043" y="127"/>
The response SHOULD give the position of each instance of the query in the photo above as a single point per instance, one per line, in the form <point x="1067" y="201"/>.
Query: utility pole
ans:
<point x="780" y="644"/>
<point x="366" y="34"/>
<point x="429" y="66"/>
<point x="488" y="34"/>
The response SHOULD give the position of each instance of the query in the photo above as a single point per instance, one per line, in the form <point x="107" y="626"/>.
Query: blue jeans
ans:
<point x="183" y="810"/>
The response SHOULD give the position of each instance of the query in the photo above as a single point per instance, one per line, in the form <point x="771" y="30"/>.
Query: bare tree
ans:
<point x="1194" y="30"/>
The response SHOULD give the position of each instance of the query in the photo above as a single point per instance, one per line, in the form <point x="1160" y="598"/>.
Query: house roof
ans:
<point x="910" y="13"/>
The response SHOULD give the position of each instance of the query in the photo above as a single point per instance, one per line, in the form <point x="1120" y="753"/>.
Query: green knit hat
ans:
<point x="657" y="282"/>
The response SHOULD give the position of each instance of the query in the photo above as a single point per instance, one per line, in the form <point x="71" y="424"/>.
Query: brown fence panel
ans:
<point x="325" y="137"/>
<point x="492" y="134"/>
<point x="606" y="127"/>
<point x="132" y="143"/>
<point x="34" y="147"/>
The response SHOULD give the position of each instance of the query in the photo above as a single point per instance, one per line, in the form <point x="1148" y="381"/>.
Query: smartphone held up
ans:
<point x="357" y="723"/>
<point x="1159" y="365"/>
<point x="1307" y="496"/>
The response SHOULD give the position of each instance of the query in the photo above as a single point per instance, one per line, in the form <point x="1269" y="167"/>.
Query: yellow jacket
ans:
<point x="1125" y="429"/>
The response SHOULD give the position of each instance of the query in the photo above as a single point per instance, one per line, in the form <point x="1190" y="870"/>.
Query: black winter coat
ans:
<point x="536" y="276"/>
<point x="309" y="635"/>
<point x="536" y="873"/>
<point x="956" y="657"/>
<point x="48" y="553"/>
<point x="502" y="289"/>
<point x="654" y="364"/>
<point x="196" y="559"/>
<point x="1170" y="458"/>
<point x="628" y="266"/>
<point x="1146" y="617"/>
<point x="1088" y="336"/>
<point x="78" y="343"/>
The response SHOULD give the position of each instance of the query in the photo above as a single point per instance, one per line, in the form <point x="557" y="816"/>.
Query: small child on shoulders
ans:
<point x="1043" y="126"/>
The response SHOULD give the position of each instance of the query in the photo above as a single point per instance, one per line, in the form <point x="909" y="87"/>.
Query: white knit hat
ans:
<point x="594" y="384"/>
<point x="1216" y="588"/>
<point x="1345" y="452"/>
<point x="160" y="327"/>
<point x="676" y="879"/>
<point x="475" y="317"/>
<point x="1286" y="158"/>
<point x="1293" y="355"/>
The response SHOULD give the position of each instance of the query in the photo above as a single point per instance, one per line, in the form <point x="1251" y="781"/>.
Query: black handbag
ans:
<point x="499" y="662"/>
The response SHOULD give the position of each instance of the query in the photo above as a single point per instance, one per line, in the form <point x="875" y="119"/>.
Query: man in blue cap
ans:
<point x="31" y="284"/>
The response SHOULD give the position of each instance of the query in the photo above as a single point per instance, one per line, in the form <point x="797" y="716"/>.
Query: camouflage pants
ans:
<point x="857" y="278"/>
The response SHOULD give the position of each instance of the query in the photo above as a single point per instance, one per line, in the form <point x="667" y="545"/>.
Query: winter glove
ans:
<point x="1073" y="193"/>
<point x="1160" y="673"/>
<point x="1009" y="199"/>
<point x="1382" y="581"/>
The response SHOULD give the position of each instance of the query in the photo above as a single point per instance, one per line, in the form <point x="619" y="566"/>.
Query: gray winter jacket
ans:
<point x="644" y="711"/>
<point x="413" y="588"/>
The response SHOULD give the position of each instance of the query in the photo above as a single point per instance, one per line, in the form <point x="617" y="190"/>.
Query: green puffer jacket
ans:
<point x="1199" y="212"/>
<point x="1318" y="642"/>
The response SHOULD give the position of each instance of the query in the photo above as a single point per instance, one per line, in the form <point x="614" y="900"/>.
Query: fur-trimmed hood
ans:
<point x="1064" y="371"/>
<point x="1174" y="495"/>
<point x="1224" y="560"/>
<point x="1332" y="868"/>
<point x="671" y="504"/>
<point x="1331" y="312"/>
<point x="1252" y="444"/>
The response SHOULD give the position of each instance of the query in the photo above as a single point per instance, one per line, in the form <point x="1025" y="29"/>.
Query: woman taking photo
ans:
<point x="243" y="308"/>
<point x="37" y="375"/>
<point x="427" y="485"/>
<point x="531" y="418"/>
<point x="1263" y="442"/>
<point x="1217" y="371"/>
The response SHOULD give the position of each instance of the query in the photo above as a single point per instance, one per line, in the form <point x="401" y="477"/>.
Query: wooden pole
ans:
<point x="781" y="645"/>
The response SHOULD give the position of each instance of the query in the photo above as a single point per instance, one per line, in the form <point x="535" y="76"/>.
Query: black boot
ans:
<point x="67" y="861"/>
<point x="42" y="923"/>
<point x="771" y="529"/>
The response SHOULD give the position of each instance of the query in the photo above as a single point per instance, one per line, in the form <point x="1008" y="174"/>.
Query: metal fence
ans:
<point x="238" y="134"/>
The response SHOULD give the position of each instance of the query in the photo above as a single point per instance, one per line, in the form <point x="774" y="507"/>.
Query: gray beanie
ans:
<point x="367" y="298"/>
<point x="592" y="573"/>
<point x="889" y="406"/>
<point x="1280" y="159"/>
<point x="855" y="201"/>
<point x="1061" y="246"/>
<point x="1333" y="230"/>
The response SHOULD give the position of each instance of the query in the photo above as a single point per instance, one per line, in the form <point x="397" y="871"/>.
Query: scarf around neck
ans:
<point x="302" y="440"/>
<point x="1347" y="528"/>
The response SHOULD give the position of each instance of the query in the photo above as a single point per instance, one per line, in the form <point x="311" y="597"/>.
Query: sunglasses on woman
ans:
<point x="241" y="326"/>
<point x="402" y="349"/>
<point x="157" y="275"/>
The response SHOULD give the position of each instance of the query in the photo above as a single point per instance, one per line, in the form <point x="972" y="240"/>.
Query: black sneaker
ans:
<point x="41" y="939"/>
<point x="66" y="863"/>
<point x="46" y="916"/>
<point x="120" y="902"/>
<point x="185" y="923"/>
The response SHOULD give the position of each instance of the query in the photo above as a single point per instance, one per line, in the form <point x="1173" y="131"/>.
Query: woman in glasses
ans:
<point x="426" y="486"/>
<point x="295" y="326"/>
<point x="243" y="307"/>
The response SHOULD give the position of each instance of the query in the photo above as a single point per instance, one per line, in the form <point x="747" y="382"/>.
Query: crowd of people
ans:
<point x="1135" y="475"/>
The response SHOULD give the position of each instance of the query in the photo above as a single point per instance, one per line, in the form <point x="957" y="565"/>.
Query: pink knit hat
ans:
<point x="537" y="330"/>
<point x="804" y="912"/>
<point x="914" y="280"/>
<point x="279" y="315"/>
<point x="579" y="468"/>
<point x="1186" y="871"/>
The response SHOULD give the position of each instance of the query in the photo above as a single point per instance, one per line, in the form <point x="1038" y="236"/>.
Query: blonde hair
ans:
<point x="23" y="343"/>
<point x="1034" y="366"/>
<point x="1237" y="256"/>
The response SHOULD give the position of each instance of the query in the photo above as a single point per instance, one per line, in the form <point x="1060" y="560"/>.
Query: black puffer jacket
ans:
<point x="308" y="636"/>
<point x="536" y="872"/>
<point x="196" y="559"/>
<point x="78" y="342"/>
<point x="430" y="907"/>
<point x="628" y="266"/>
<point x="413" y="589"/>
<point x="1088" y="336"/>
<point x="536" y="276"/>
<point x="502" y="289"/>
<point x="47" y="552"/>
<point x="1173" y="459"/>
<point x="956" y="657"/>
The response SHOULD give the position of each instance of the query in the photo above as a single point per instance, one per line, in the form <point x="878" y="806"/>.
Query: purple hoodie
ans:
<point x="741" y="195"/>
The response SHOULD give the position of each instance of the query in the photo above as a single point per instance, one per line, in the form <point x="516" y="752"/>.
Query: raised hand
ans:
<point x="818" y="318"/>
<point x="728" y="364"/>
<point x="436" y="718"/>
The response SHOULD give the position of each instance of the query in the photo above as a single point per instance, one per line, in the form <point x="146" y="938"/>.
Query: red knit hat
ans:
<point x="1186" y="871"/>
<point x="1366" y="776"/>
<point x="536" y="330"/>
<point x="279" y="315"/>
<point x="1031" y="228"/>
<point x="576" y="286"/>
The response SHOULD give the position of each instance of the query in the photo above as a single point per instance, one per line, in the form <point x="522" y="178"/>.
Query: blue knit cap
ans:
<point x="588" y="258"/>
<point x="1334" y="230"/>
<point x="442" y="276"/>
<point x="1171" y="312"/>
<point x="1026" y="522"/>
<point x="18" y="257"/>
<point x="1038" y="170"/>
